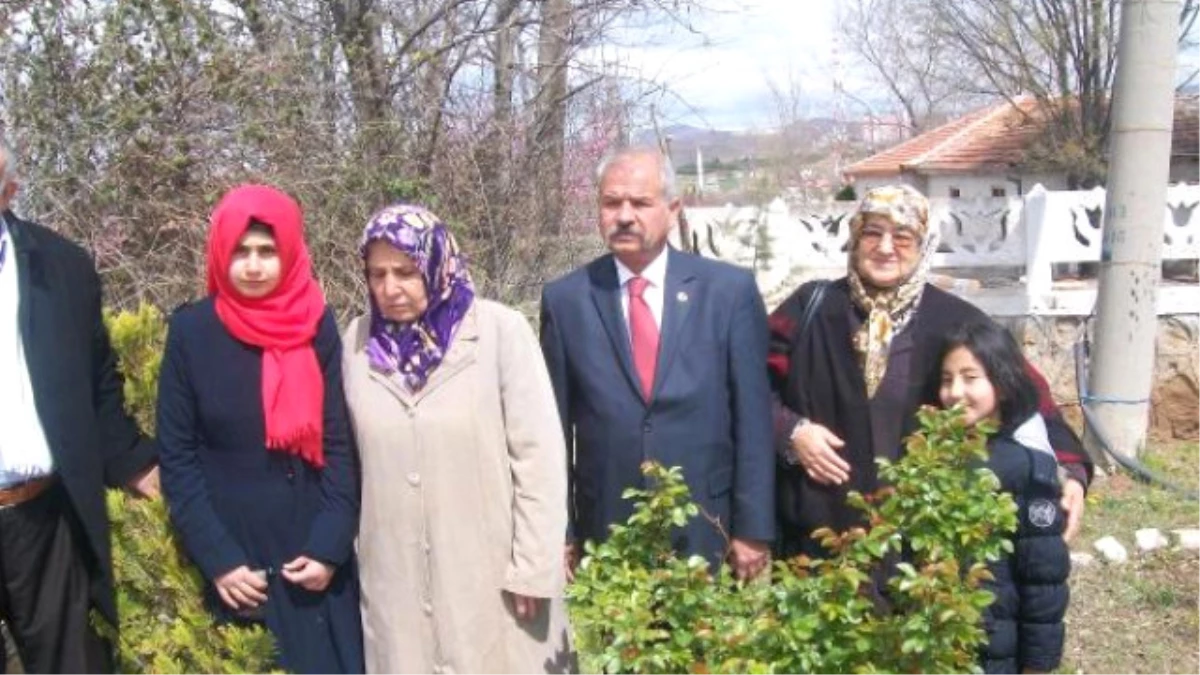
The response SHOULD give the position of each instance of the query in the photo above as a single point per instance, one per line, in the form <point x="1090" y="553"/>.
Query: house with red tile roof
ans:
<point x="980" y="154"/>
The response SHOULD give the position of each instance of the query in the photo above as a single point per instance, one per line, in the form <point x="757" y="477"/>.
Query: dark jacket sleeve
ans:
<point x="204" y="537"/>
<point x="1042" y="565"/>
<point x="554" y="352"/>
<point x="782" y="324"/>
<point x="1067" y="446"/>
<point x="786" y="399"/>
<point x="750" y="393"/>
<point x="126" y="452"/>
<point x="331" y="538"/>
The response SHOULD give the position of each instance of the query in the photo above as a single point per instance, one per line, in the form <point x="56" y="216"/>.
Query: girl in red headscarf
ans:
<point x="257" y="461"/>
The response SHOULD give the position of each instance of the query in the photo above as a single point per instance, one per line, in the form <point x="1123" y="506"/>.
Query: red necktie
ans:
<point x="644" y="333"/>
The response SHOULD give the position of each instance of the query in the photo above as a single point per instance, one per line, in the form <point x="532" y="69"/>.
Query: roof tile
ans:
<point x="996" y="136"/>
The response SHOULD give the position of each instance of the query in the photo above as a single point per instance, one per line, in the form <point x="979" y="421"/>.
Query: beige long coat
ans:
<point x="464" y="497"/>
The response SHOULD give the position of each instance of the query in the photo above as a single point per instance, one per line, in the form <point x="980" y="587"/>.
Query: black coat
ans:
<point x="1025" y="623"/>
<point x="818" y="375"/>
<point x="234" y="502"/>
<point x="76" y="387"/>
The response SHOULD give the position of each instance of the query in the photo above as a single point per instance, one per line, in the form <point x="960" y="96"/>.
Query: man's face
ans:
<point x="635" y="218"/>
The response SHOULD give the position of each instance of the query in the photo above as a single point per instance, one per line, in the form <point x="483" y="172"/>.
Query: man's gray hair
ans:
<point x="666" y="172"/>
<point x="8" y="158"/>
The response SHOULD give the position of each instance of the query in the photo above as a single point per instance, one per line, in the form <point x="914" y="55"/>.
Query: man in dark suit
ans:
<point x="659" y="355"/>
<point x="64" y="436"/>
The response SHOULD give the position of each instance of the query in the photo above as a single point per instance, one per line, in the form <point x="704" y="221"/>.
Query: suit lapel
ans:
<point x="32" y="290"/>
<point x="25" y="254"/>
<point x="606" y="295"/>
<point x="39" y="318"/>
<point x="679" y="295"/>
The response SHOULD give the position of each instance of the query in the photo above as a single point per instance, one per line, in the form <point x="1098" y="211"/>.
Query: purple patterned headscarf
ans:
<point x="415" y="349"/>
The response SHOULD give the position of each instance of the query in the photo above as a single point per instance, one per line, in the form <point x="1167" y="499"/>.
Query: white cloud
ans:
<point x="720" y="72"/>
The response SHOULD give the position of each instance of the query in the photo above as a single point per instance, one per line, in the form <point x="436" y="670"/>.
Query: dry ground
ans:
<point x="1143" y="616"/>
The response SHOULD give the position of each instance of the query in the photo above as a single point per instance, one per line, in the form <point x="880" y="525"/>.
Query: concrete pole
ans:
<point x="1122" y="363"/>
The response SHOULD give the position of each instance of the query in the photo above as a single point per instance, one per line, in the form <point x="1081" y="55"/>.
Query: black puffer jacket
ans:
<point x="1025" y="623"/>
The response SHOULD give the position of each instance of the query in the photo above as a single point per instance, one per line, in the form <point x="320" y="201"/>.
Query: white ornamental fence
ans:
<point x="1009" y="245"/>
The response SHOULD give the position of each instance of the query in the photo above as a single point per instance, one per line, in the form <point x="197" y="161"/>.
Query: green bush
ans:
<point x="637" y="607"/>
<point x="846" y="193"/>
<point x="138" y="338"/>
<point x="165" y="627"/>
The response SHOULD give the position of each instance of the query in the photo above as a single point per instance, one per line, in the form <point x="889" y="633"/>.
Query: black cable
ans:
<point x="1135" y="467"/>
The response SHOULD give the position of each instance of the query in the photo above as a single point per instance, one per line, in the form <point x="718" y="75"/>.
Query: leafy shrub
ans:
<point x="165" y="627"/>
<point x="846" y="193"/>
<point x="638" y="607"/>
<point x="138" y="338"/>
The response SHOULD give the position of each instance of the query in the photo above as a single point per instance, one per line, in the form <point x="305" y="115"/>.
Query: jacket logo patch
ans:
<point x="1042" y="513"/>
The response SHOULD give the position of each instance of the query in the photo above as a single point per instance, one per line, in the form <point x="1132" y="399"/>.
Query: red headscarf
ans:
<point x="282" y="323"/>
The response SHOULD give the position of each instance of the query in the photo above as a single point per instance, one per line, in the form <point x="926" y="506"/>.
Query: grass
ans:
<point x="1143" y="616"/>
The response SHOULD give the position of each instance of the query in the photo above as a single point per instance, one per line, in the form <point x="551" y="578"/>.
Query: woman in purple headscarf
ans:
<point x="464" y="469"/>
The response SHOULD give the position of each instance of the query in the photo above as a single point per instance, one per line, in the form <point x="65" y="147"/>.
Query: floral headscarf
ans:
<point x="888" y="309"/>
<point x="415" y="349"/>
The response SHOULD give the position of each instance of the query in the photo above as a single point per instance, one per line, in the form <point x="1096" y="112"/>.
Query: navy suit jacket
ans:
<point x="709" y="411"/>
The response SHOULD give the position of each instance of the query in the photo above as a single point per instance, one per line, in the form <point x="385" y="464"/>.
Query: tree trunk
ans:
<point x="549" y="141"/>
<point x="358" y="33"/>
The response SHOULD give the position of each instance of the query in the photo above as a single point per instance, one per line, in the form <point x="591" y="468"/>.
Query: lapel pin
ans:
<point x="681" y="296"/>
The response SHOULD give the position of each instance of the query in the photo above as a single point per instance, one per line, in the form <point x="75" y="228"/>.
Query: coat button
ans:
<point x="647" y="426"/>
<point x="414" y="479"/>
<point x="428" y="607"/>
<point x="291" y="474"/>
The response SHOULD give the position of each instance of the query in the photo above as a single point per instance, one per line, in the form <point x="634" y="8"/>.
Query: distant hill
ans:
<point x="730" y="147"/>
<point x="714" y="143"/>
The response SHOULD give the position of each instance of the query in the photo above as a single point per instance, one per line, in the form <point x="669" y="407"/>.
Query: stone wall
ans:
<point x="1174" y="405"/>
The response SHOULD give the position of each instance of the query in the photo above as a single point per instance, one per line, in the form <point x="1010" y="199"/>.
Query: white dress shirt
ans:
<point x="24" y="452"/>
<point x="656" y="274"/>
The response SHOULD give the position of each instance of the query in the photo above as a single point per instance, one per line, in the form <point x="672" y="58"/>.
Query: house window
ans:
<point x="998" y="192"/>
<point x="954" y="193"/>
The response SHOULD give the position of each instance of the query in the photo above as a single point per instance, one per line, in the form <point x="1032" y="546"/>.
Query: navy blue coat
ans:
<point x="1025" y="623"/>
<point x="235" y="503"/>
<point x="709" y="412"/>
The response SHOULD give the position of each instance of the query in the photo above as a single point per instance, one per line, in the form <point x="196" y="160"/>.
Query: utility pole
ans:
<point x="1122" y="363"/>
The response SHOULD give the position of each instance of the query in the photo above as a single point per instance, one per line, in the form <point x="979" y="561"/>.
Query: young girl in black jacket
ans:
<point x="983" y="371"/>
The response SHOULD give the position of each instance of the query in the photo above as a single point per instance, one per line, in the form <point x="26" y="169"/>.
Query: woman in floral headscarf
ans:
<point x="849" y="360"/>
<point x="464" y="469"/>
